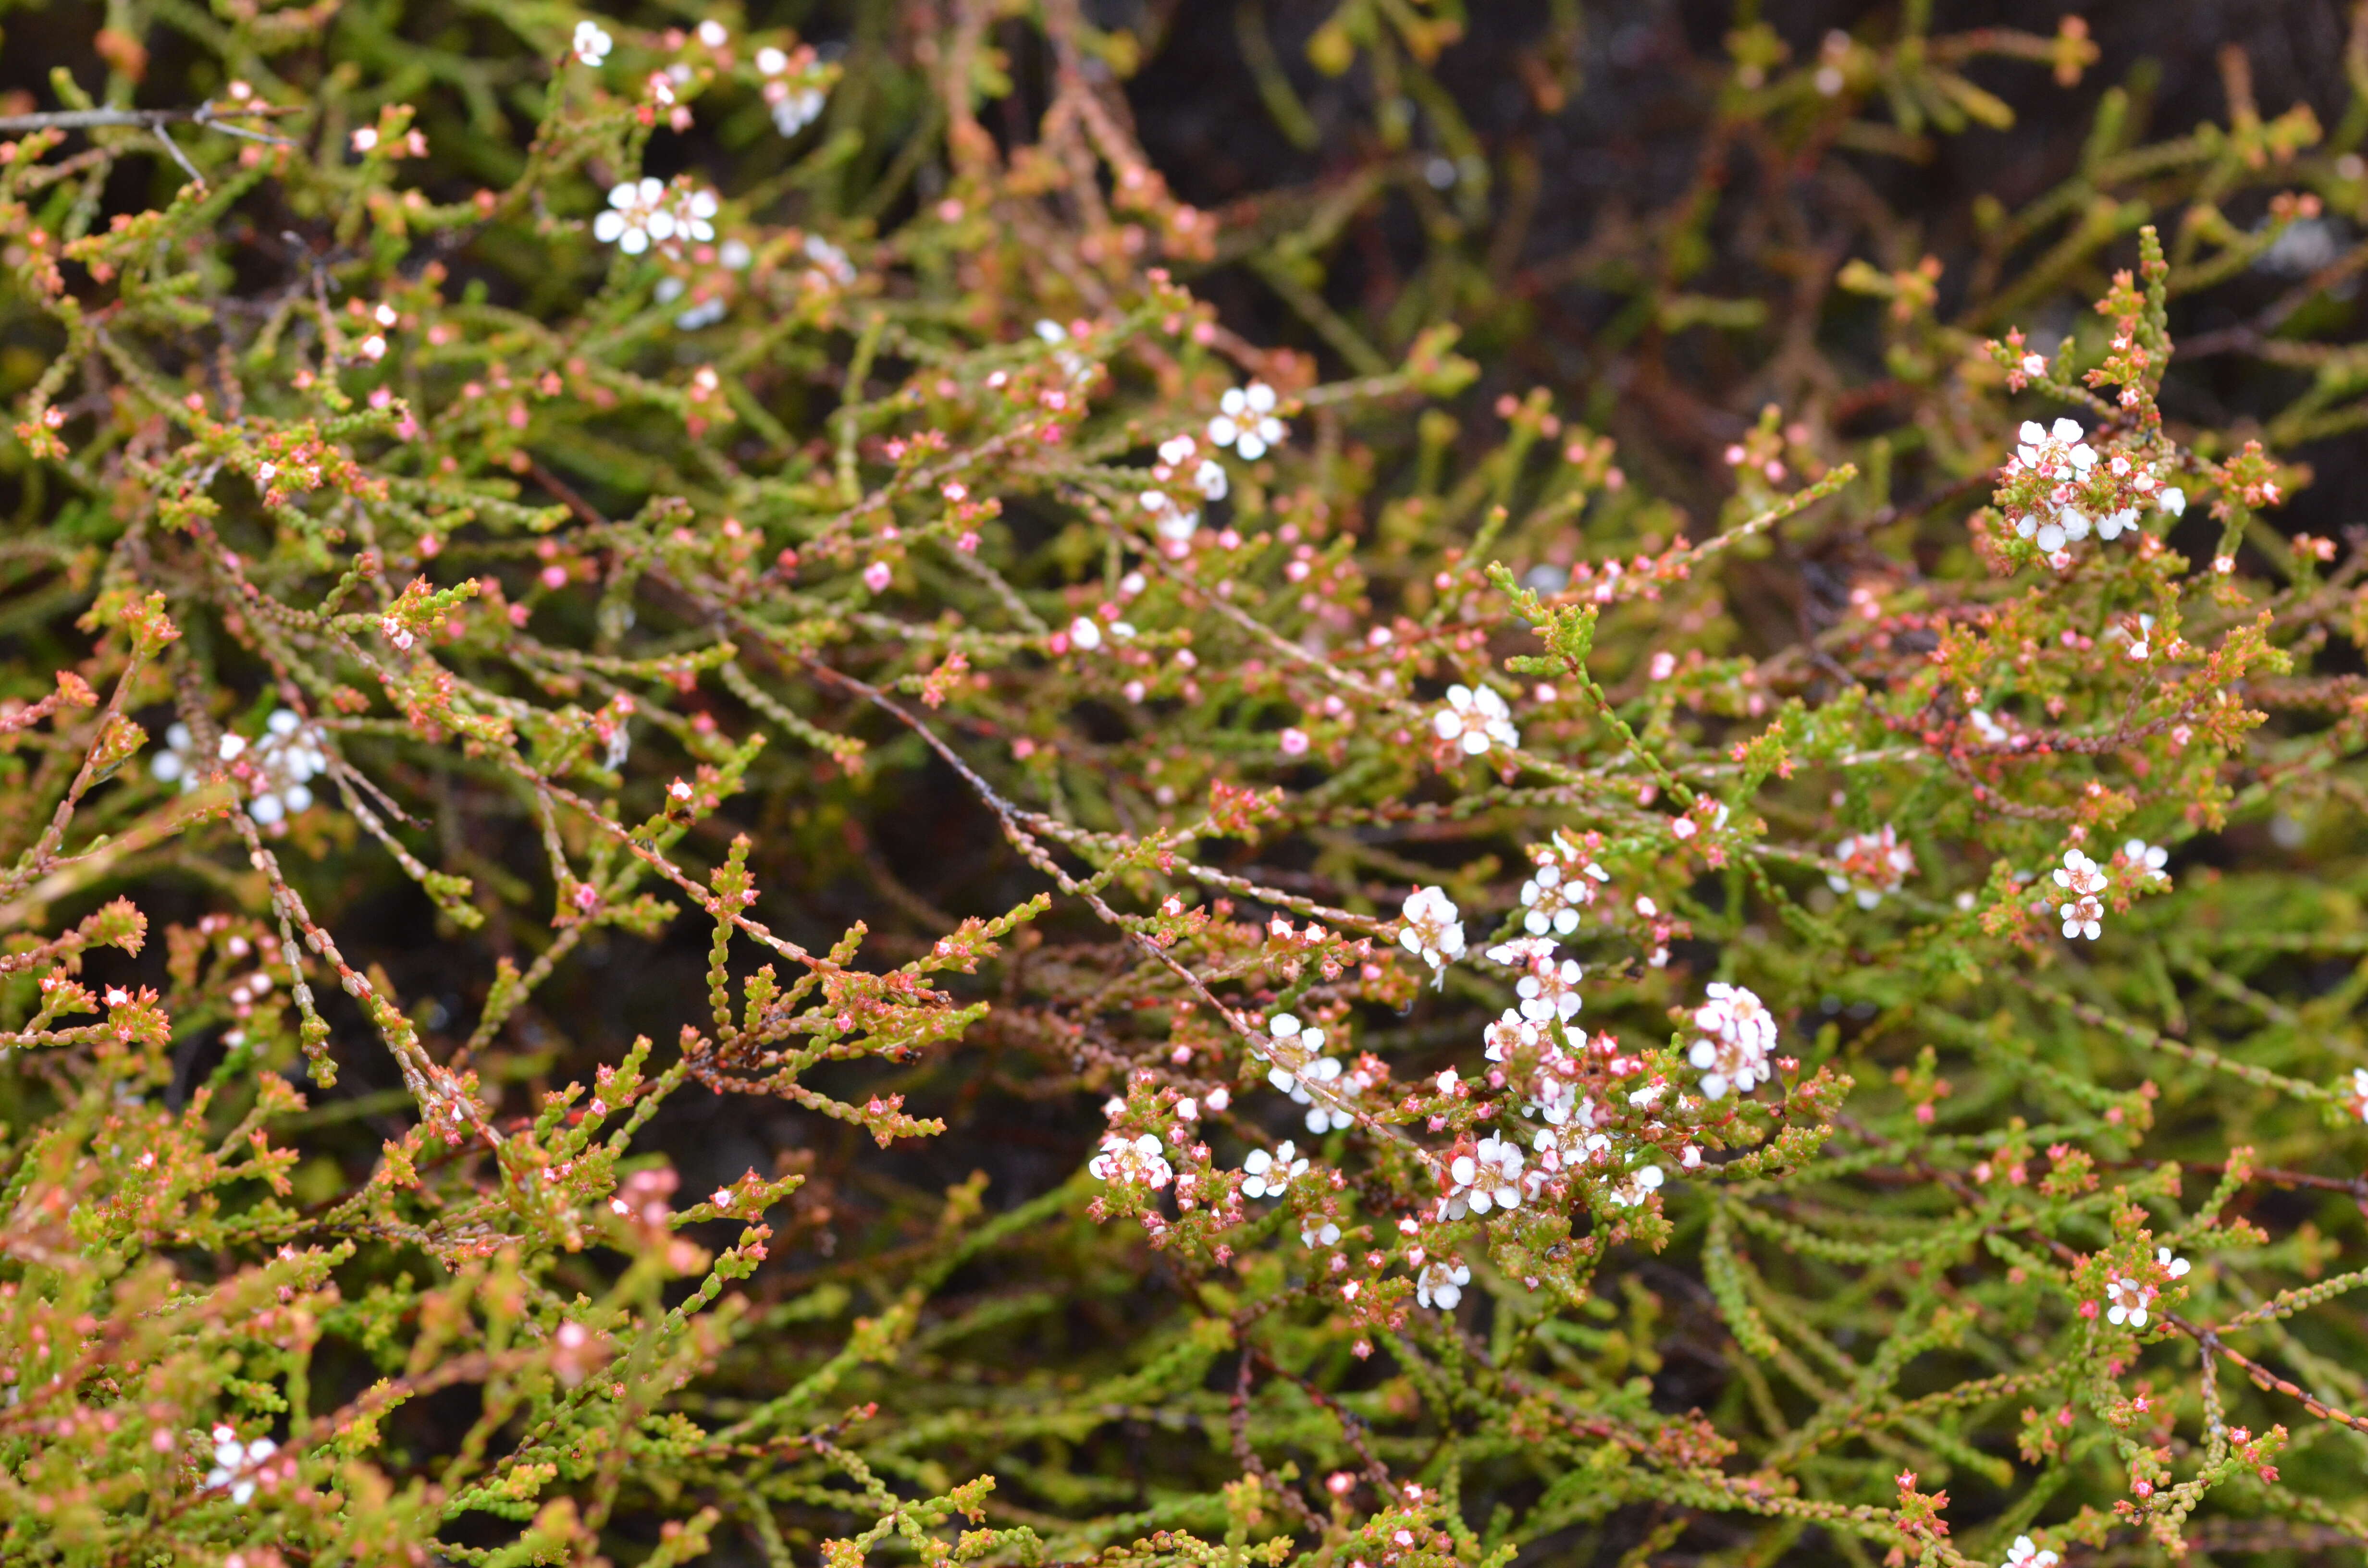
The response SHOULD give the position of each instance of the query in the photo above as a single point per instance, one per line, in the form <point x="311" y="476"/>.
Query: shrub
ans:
<point x="1313" y="948"/>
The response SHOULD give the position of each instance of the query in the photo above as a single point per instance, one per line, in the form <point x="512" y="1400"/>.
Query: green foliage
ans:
<point x="1312" y="951"/>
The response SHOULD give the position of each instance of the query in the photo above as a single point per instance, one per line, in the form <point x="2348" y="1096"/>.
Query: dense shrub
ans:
<point x="1147" y="721"/>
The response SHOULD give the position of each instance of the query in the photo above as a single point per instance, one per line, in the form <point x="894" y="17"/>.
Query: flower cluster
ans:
<point x="1562" y="885"/>
<point x="277" y="771"/>
<point x="1873" y="865"/>
<point x="794" y="104"/>
<point x="2056" y="488"/>
<point x="1739" y="1034"/>
<point x="2080" y="877"/>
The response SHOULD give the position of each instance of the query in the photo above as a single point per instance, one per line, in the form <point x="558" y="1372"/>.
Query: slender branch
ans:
<point x="207" y="115"/>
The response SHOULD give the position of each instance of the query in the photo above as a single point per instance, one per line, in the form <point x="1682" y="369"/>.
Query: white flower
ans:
<point x="1441" y="1284"/>
<point x="1873" y="864"/>
<point x="771" y="62"/>
<point x="2057" y="454"/>
<point x="1127" y="1161"/>
<point x="234" y="1462"/>
<point x="2080" y="877"/>
<point x="1640" y="1185"/>
<point x="1989" y="729"/>
<point x="592" y="42"/>
<point x="1312" y="1235"/>
<point x="694" y="211"/>
<point x="1287" y="1027"/>
<point x="1210" y="479"/>
<point x="2146" y="860"/>
<point x="276" y="771"/>
<point x="795" y="108"/>
<point x="1434" y="929"/>
<point x="831" y="265"/>
<point x="636" y="216"/>
<point x="1522" y="951"/>
<point x="1488" y="1177"/>
<point x="1083" y="635"/>
<point x="1564" y="884"/>
<point x="2172" y="1265"/>
<point x="1323" y="1071"/>
<point x="1512" y="1033"/>
<point x="1248" y="424"/>
<point x="2023" y="1554"/>
<point x="1270" y="1174"/>
<point x="1737" y="1034"/>
<point x="2172" y="501"/>
<point x="1475" y="720"/>
<point x="2128" y="1301"/>
<point x="1550" y="990"/>
<point x="2113" y="524"/>
<point x="2360" y="1091"/>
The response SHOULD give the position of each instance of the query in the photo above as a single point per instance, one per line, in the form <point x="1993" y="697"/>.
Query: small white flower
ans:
<point x="1287" y="1027"/>
<point x="1210" y="479"/>
<point x="694" y="213"/>
<point x="1475" y="720"/>
<point x="1522" y="951"/>
<point x="2146" y="859"/>
<point x="1434" y="929"/>
<point x="1270" y="1174"/>
<point x="1248" y="422"/>
<point x="2172" y="501"/>
<point x="1488" y="1177"/>
<point x="2113" y="525"/>
<point x="1512" y="1033"/>
<point x="1550" y="990"/>
<point x="771" y="62"/>
<point x="1130" y="1161"/>
<point x="1991" y="731"/>
<point x="2023" y="1554"/>
<point x="1441" y="1284"/>
<point x="234" y="1462"/>
<point x="797" y="108"/>
<point x="637" y="215"/>
<point x="1640" y="1185"/>
<point x="1873" y="864"/>
<point x="1315" y="1235"/>
<point x="2172" y="1265"/>
<point x="2128" y="1301"/>
<point x="592" y="42"/>
<point x="1323" y="1071"/>
<point x="831" y="264"/>
<point x="1565" y="883"/>
<point x="1083" y="635"/>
